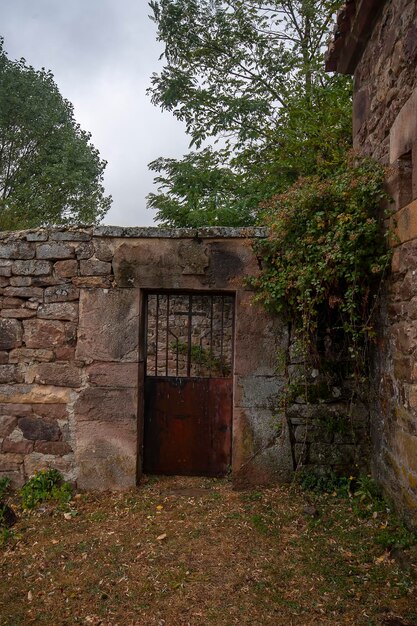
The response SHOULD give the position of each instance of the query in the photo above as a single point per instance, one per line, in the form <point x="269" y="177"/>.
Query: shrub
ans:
<point x="47" y="484"/>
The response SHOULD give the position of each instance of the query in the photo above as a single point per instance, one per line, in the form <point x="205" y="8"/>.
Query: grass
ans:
<point x="192" y="552"/>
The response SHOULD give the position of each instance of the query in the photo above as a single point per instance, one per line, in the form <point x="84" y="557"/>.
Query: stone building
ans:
<point x="100" y="327"/>
<point x="130" y="350"/>
<point x="376" y="42"/>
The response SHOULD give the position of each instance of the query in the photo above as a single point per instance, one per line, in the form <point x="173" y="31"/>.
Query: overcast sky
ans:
<point x="102" y="53"/>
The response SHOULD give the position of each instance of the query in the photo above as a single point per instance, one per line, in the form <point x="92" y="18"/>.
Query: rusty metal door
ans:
<point x="188" y="383"/>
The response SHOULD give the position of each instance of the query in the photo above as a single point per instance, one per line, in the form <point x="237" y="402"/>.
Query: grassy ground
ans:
<point x="182" y="551"/>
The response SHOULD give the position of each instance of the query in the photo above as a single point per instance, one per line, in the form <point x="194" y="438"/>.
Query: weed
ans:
<point x="47" y="484"/>
<point x="324" y="481"/>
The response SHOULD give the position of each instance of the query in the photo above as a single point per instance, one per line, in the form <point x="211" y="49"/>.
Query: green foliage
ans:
<point x="4" y="486"/>
<point x="50" y="173"/>
<point x="251" y="75"/>
<point x="202" y="357"/>
<point x="326" y="251"/>
<point x="324" y="480"/>
<point x="45" y="485"/>
<point x="396" y="536"/>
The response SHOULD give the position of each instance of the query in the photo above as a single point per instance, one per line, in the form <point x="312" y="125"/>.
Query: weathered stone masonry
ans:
<point x="71" y="363"/>
<point x="377" y="43"/>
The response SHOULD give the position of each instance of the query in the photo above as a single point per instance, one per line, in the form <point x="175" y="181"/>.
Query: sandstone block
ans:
<point x="10" y="334"/>
<point x="37" y="429"/>
<point x="44" y="334"/>
<point x="103" y="250"/>
<point x="10" y="374"/>
<point x="19" y="314"/>
<point x="70" y="235"/>
<point x="61" y="293"/>
<point x="24" y="292"/>
<point x="27" y="355"/>
<point x="94" y="267"/>
<point x="84" y="250"/>
<point x="37" y="236"/>
<point x="20" y="281"/>
<point x="31" y="268"/>
<point x="17" y="447"/>
<point x="36" y="461"/>
<point x="16" y="410"/>
<point x="59" y="311"/>
<point x="66" y="269"/>
<point x="7" y="424"/>
<point x="17" y="250"/>
<point x="98" y="282"/>
<point x="11" y="303"/>
<point x="55" y="251"/>
<point x="57" y="448"/>
<point x="4" y="357"/>
<point x="113" y="336"/>
<point x="11" y="466"/>
<point x="4" y="282"/>
<point x="64" y="353"/>
<point x="101" y="404"/>
<point x="58" y="374"/>
<point x="5" y="270"/>
<point x="50" y="411"/>
<point x="28" y="394"/>
<point x="113" y="374"/>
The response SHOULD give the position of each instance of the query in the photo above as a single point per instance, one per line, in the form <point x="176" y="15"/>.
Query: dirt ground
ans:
<point x="191" y="551"/>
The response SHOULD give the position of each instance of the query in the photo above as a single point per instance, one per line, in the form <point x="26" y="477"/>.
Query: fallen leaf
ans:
<point x="161" y="537"/>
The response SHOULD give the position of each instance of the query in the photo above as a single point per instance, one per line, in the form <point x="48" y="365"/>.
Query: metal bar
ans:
<point x="190" y="321"/>
<point x="211" y="331"/>
<point x="222" y="337"/>
<point x="166" y="339"/>
<point x="156" y="334"/>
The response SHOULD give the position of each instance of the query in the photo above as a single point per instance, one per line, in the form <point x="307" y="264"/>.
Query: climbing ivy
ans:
<point x="326" y="251"/>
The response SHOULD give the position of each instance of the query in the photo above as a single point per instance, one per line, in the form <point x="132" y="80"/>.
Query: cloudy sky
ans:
<point x="102" y="53"/>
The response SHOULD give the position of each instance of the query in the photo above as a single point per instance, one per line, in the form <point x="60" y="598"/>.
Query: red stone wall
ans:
<point x="385" y="127"/>
<point x="71" y="362"/>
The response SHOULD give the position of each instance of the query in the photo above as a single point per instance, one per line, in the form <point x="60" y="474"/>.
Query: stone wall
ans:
<point x="71" y="361"/>
<point x="384" y="44"/>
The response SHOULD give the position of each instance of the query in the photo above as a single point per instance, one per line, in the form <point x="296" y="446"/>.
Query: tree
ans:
<point x="250" y="74"/>
<point x="50" y="173"/>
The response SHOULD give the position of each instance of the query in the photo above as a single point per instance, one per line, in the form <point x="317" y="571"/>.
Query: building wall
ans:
<point x="385" y="127"/>
<point x="71" y="361"/>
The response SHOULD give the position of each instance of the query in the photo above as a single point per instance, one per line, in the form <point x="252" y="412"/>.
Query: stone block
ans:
<point x="20" y="281"/>
<point x="64" y="353"/>
<point x="113" y="374"/>
<point x="70" y="235"/>
<point x="4" y="281"/>
<point x="44" y="334"/>
<point x="35" y="429"/>
<point x="6" y="270"/>
<point x="58" y="374"/>
<point x="24" y="292"/>
<point x="258" y="392"/>
<point x="66" y="269"/>
<point x="27" y="355"/>
<point x="28" y="394"/>
<point x="4" y="357"/>
<point x="18" y="314"/>
<point x="37" y="461"/>
<point x="10" y="374"/>
<point x="113" y="336"/>
<point x="15" y="410"/>
<point x="55" y="251"/>
<point x="37" y="236"/>
<point x="101" y="404"/>
<point x="94" y="267"/>
<point x="84" y="250"/>
<point x="7" y="424"/>
<point x="31" y="268"/>
<point x="106" y="455"/>
<point x="104" y="250"/>
<point x="11" y="466"/>
<point x="10" y="334"/>
<point x="17" y="250"/>
<point x="17" y="447"/>
<point x="407" y="448"/>
<point x="92" y="282"/>
<point x="61" y="293"/>
<point x="57" y="448"/>
<point x="59" y="311"/>
<point x="331" y="455"/>
<point x="50" y="411"/>
<point x="11" y="303"/>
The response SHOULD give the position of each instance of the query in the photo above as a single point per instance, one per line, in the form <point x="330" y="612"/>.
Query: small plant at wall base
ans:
<point x="47" y="484"/>
<point x="326" y="254"/>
